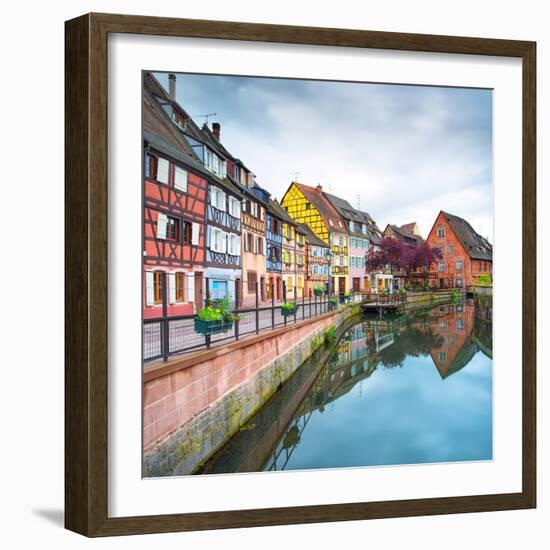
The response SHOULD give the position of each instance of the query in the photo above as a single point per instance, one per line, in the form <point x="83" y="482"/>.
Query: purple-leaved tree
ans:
<point x="399" y="256"/>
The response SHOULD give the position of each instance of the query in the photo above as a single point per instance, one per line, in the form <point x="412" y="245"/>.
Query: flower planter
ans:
<point x="317" y="292"/>
<point x="289" y="312"/>
<point x="212" y="327"/>
<point x="332" y="306"/>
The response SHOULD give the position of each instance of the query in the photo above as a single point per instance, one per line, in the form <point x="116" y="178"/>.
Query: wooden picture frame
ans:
<point x="86" y="280"/>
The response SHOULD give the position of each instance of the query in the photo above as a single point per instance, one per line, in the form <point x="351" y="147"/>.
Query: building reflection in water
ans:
<point x="450" y="335"/>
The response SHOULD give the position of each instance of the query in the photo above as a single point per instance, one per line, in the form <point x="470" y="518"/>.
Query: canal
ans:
<point x="407" y="389"/>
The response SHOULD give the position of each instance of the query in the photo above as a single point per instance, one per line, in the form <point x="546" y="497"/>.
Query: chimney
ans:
<point x="172" y="86"/>
<point x="216" y="130"/>
<point x="319" y="188"/>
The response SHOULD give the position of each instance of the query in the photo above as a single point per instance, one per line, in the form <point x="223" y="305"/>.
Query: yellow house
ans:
<point x="309" y="206"/>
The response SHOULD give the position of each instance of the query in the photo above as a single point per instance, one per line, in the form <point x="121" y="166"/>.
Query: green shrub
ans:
<point x="330" y="334"/>
<point x="484" y="280"/>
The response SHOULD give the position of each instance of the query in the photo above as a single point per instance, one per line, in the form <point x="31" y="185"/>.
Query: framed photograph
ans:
<point x="293" y="256"/>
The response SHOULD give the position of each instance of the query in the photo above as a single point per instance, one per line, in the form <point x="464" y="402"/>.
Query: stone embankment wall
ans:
<point x="416" y="300"/>
<point x="193" y="405"/>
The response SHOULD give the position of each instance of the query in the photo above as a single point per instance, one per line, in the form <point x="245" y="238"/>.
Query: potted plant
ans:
<point x="332" y="303"/>
<point x="215" y="318"/>
<point x="288" y="309"/>
<point x="348" y="296"/>
<point x="318" y="290"/>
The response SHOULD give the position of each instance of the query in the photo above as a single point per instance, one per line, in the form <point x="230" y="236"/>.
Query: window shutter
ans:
<point x="195" y="233"/>
<point x="162" y="221"/>
<point x="149" y="288"/>
<point x="255" y="244"/>
<point x="163" y="170"/>
<point x="190" y="290"/>
<point x="224" y="241"/>
<point x="171" y="288"/>
<point x="213" y="196"/>
<point x="180" y="179"/>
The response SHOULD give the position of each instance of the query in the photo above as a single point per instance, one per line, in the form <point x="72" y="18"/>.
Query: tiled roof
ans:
<point x="409" y="227"/>
<point x="476" y="246"/>
<point x="276" y="209"/>
<point x="405" y="234"/>
<point x="310" y="235"/>
<point x="315" y="196"/>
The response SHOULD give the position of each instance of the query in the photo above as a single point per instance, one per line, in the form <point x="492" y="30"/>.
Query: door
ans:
<point x="198" y="291"/>
<point x="356" y="284"/>
<point x="341" y="285"/>
<point x="441" y="283"/>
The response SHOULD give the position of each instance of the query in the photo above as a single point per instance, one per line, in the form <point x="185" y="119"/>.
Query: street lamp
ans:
<point x="329" y="257"/>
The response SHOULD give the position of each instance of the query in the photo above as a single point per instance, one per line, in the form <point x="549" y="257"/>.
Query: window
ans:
<point x="308" y="206"/>
<point x="217" y="240"/>
<point x="233" y="245"/>
<point x="330" y="223"/>
<point x="173" y="229"/>
<point x="441" y="266"/>
<point x="440" y="231"/>
<point x="180" y="179"/>
<point x="187" y="232"/>
<point x="168" y="228"/>
<point x="351" y="226"/>
<point x="234" y="207"/>
<point x="180" y="278"/>
<point x="252" y="278"/>
<point x="450" y="249"/>
<point x="217" y="198"/>
<point x="460" y="324"/>
<point x="341" y="241"/>
<point x="157" y="286"/>
<point x="459" y="283"/>
<point x="459" y="265"/>
<point x="260" y="245"/>
<point x="442" y="356"/>
<point x="151" y="164"/>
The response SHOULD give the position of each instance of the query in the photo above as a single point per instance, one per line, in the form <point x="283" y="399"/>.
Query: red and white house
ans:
<point x="174" y="199"/>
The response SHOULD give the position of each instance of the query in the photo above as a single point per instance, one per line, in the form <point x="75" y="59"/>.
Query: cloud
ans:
<point x="405" y="151"/>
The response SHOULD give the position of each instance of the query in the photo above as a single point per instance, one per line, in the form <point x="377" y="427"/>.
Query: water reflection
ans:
<point x="401" y="390"/>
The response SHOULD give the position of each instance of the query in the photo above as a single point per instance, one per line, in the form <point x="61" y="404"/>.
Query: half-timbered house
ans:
<point x="174" y="197"/>
<point x="308" y="205"/>
<point x="317" y="260"/>
<point x="274" y="256"/>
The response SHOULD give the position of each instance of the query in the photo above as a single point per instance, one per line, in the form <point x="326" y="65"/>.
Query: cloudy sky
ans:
<point x="403" y="152"/>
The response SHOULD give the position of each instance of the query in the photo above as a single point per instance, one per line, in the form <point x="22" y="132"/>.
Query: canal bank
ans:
<point x="194" y="405"/>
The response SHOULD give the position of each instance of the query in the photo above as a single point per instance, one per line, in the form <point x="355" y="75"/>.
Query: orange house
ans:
<point x="465" y="255"/>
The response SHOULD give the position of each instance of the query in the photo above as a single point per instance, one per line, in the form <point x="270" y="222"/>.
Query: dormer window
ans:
<point x="330" y="223"/>
<point x="363" y="228"/>
<point x="351" y="226"/>
<point x="440" y="231"/>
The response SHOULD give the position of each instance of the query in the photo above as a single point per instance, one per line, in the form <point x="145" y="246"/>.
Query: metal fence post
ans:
<point x="284" y="298"/>
<point x="257" y="309"/>
<point x="303" y="302"/>
<point x="295" y="303"/>
<point x="273" y="304"/>
<point x="237" y="300"/>
<point x="165" y="345"/>
<point x="207" y="337"/>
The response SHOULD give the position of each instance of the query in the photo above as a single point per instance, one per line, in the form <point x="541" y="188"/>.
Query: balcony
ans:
<point x="339" y="250"/>
<point x="274" y="237"/>
<point x="274" y="265"/>
<point x="222" y="258"/>
<point x="223" y="218"/>
<point x="339" y="270"/>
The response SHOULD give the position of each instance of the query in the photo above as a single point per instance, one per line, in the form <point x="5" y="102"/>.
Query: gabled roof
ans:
<point x="276" y="209"/>
<point x="476" y="246"/>
<point x="164" y="135"/>
<point x="409" y="227"/>
<point x="310" y="235"/>
<point x="316" y="197"/>
<point x="404" y="234"/>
